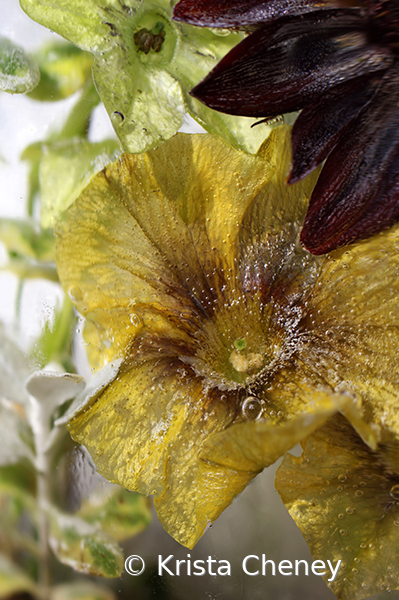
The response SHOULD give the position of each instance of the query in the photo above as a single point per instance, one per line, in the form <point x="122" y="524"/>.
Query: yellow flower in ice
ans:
<point x="345" y="499"/>
<point x="234" y="342"/>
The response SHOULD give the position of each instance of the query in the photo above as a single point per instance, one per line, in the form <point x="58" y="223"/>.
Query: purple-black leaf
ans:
<point x="239" y="13"/>
<point x="321" y="124"/>
<point x="357" y="194"/>
<point x="287" y="64"/>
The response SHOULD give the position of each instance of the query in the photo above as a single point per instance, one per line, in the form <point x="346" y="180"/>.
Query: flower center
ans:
<point x="146" y="40"/>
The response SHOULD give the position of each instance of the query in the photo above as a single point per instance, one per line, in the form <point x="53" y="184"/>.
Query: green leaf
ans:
<point x="13" y="579"/>
<point x="55" y="341"/>
<point x="15" y="435"/>
<point x="24" y="268"/>
<point x="120" y="513"/>
<point x="81" y="590"/>
<point x="75" y="126"/>
<point x="18" y="71"/>
<point x="26" y="238"/>
<point x="145" y="65"/>
<point x="65" y="171"/>
<point x="19" y="481"/>
<point x="83" y="546"/>
<point x="18" y="505"/>
<point x="33" y="154"/>
<point x="63" y="71"/>
<point x="13" y="372"/>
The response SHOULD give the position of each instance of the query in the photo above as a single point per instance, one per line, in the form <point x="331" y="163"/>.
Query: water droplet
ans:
<point x="135" y="320"/>
<point x="251" y="408"/>
<point x="343" y="532"/>
<point x="395" y="491"/>
<point x="350" y="510"/>
<point x="396" y="523"/>
<point x="358" y="493"/>
<point x="342" y="477"/>
<point x="339" y="488"/>
<point x="75" y="293"/>
<point x="341" y="516"/>
<point x="117" y="118"/>
<point x="364" y="585"/>
<point x="336" y="497"/>
<point x="362" y="484"/>
<point x="355" y="571"/>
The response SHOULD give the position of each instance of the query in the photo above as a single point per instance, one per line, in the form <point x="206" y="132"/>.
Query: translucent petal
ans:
<point x="115" y="284"/>
<point x="254" y="446"/>
<point x="145" y="432"/>
<point x="146" y="89"/>
<point x="353" y="316"/>
<point x="343" y="497"/>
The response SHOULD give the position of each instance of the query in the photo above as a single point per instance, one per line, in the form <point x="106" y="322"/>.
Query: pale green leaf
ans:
<point x="26" y="238"/>
<point x="15" y="435"/>
<point x="146" y="90"/>
<point x="13" y="372"/>
<point x="66" y="169"/>
<point x="64" y="68"/>
<point x="118" y="512"/>
<point x="18" y="71"/>
<point x="13" y="579"/>
<point x="19" y="481"/>
<point x="83" y="546"/>
<point x="81" y="590"/>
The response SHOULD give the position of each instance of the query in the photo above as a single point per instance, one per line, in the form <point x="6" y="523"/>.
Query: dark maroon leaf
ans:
<point x="286" y="64"/>
<point x="239" y="13"/>
<point x="357" y="194"/>
<point x="321" y="124"/>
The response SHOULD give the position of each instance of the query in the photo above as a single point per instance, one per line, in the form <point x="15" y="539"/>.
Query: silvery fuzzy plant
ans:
<point x="37" y="528"/>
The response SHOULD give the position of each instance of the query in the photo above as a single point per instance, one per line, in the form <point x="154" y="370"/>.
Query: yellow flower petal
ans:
<point x="256" y="445"/>
<point x="137" y="237"/>
<point x="156" y="420"/>
<point x="345" y="499"/>
<point x="187" y="265"/>
<point x="355" y="321"/>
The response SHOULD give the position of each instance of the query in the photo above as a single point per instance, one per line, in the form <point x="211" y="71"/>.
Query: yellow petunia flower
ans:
<point x="234" y="342"/>
<point x="345" y="499"/>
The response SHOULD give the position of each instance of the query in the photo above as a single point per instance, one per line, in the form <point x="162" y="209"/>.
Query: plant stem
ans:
<point x="41" y="432"/>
